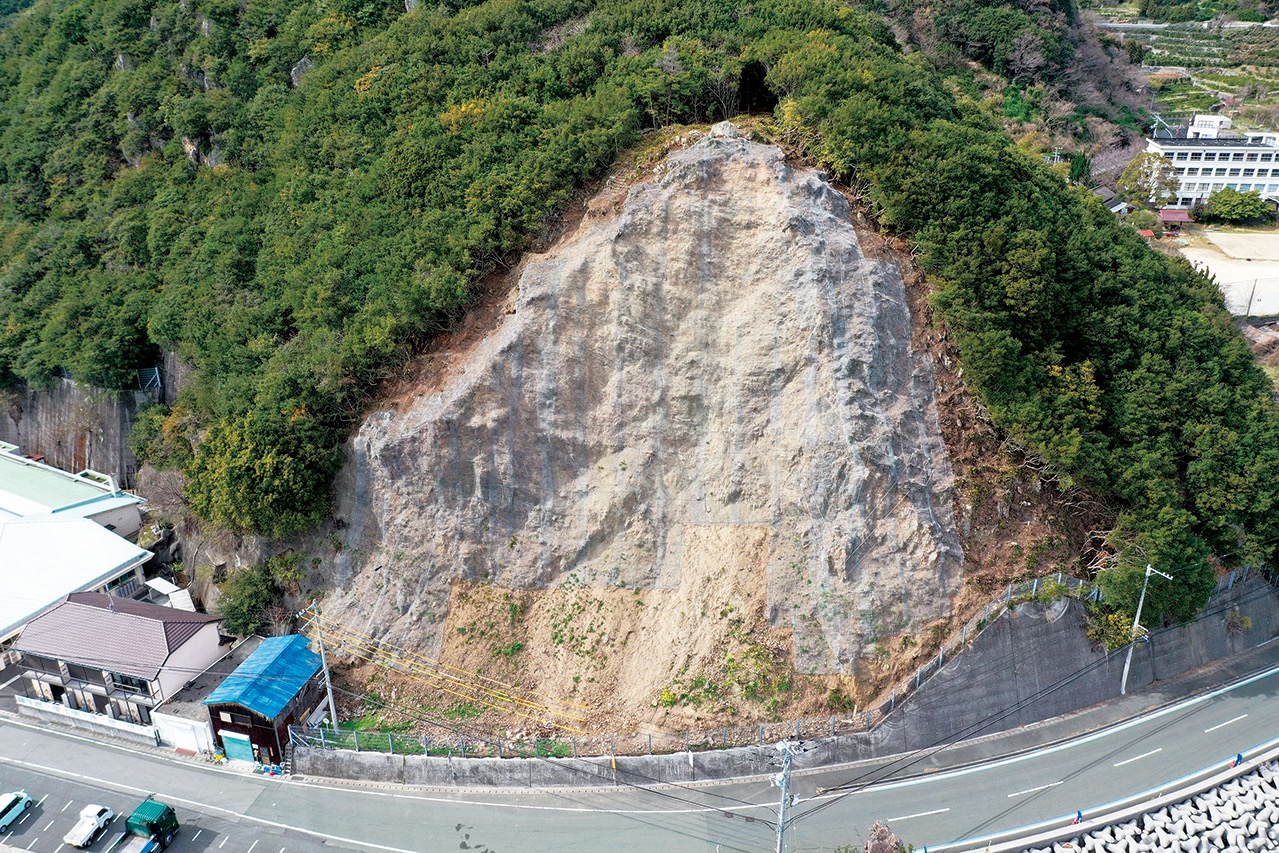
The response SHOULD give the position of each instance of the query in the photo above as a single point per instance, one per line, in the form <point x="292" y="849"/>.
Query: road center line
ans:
<point x="1033" y="790"/>
<point x="1139" y="757"/>
<point x="1226" y="723"/>
<point x="921" y="814"/>
<point x="197" y="834"/>
<point x="255" y="844"/>
<point x="47" y="825"/>
<point x="42" y="799"/>
<point x="68" y="805"/>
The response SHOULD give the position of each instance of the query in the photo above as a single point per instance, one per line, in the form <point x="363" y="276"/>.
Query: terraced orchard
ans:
<point x="1199" y="68"/>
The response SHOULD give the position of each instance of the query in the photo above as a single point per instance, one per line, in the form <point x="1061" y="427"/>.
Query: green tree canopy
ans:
<point x="1150" y="179"/>
<point x="1231" y="205"/>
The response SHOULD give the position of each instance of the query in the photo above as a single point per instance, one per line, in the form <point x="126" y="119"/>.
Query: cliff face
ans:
<point x="714" y="382"/>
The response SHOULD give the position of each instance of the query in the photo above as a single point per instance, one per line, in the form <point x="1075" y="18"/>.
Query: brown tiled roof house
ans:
<point x="102" y="654"/>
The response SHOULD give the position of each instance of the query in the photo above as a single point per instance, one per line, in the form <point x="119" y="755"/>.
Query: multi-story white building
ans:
<point x="1208" y="162"/>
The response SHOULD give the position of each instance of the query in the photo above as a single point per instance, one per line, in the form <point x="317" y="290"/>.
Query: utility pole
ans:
<point x="782" y="780"/>
<point x="324" y="663"/>
<point x="1136" y="623"/>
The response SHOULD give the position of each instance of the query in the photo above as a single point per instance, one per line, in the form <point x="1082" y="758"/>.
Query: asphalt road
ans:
<point x="954" y="809"/>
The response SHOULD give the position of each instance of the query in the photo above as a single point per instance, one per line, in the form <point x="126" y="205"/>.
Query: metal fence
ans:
<point x="566" y="746"/>
<point x="757" y="734"/>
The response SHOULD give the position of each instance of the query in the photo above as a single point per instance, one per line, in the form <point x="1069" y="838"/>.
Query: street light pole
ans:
<point x="1136" y="623"/>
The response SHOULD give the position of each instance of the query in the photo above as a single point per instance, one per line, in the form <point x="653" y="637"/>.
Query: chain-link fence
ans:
<point x="571" y="746"/>
<point x="1048" y="589"/>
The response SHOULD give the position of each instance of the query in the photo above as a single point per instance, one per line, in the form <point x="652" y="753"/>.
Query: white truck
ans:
<point x="94" y="820"/>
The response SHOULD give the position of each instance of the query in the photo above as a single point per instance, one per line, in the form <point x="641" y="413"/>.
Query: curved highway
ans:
<point x="951" y="810"/>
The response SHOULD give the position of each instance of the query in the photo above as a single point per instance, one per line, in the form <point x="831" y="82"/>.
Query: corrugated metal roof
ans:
<point x="269" y="679"/>
<point x="117" y="634"/>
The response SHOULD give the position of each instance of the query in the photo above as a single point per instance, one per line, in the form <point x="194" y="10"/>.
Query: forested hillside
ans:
<point x="293" y="196"/>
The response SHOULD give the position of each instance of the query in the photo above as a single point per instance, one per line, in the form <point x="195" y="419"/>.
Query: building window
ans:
<point x="1252" y="158"/>
<point x="1220" y="173"/>
<point x="1216" y="187"/>
<point x="131" y="684"/>
<point x="1243" y="188"/>
<point x="1192" y="173"/>
<point x="1272" y="188"/>
<point x="1234" y="173"/>
<point x="1197" y="155"/>
<point x="1266" y="158"/>
<point x="1181" y="155"/>
<point x="1237" y="157"/>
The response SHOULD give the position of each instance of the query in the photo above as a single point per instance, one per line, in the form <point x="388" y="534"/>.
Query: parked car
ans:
<point x="94" y="820"/>
<point x="12" y="805"/>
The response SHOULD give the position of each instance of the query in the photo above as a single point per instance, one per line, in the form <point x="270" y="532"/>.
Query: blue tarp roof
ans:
<point x="270" y="677"/>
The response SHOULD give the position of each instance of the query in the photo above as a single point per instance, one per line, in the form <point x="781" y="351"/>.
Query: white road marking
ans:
<point x="1139" y="757"/>
<point x="255" y="844"/>
<point x="223" y="842"/>
<point x="921" y="814"/>
<point x="33" y="842"/>
<point x="1226" y="723"/>
<point x="197" y="834"/>
<point x="42" y="799"/>
<point x="68" y="805"/>
<point x="46" y="826"/>
<point x="119" y="786"/>
<point x="25" y="815"/>
<point x="281" y="850"/>
<point x="1033" y="790"/>
<point x="10" y="681"/>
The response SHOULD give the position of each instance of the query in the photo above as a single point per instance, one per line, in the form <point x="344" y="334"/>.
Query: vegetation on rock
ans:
<point x="292" y="196"/>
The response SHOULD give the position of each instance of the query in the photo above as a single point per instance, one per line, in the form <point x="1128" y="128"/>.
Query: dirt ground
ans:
<point x="705" y="654"/>
<point x="1246" y="265"/>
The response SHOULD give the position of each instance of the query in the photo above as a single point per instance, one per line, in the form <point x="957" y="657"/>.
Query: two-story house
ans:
<point x="100" y="654"/>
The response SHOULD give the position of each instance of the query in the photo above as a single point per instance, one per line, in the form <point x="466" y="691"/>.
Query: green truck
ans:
<point x="150" y="828"/>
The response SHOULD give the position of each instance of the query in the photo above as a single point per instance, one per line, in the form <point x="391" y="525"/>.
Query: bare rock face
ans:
<point x="882" y="839"/>
<point x="715" y="379"/>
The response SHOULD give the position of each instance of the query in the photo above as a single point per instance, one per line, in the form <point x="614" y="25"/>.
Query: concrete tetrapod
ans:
<point x="1239" y="815"/>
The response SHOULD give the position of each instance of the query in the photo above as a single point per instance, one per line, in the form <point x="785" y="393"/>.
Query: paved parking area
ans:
<point x="56" y="808"/>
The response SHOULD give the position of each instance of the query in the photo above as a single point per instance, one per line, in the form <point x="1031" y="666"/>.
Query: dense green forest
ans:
<point x="292" y="196"/>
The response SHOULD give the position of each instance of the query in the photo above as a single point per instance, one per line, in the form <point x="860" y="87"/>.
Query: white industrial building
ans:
<point x="62" y="533"/>
<point x="1206" y="162"/>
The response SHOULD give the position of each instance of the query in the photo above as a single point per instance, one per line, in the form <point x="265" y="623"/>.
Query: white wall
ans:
<point x="181" y="733"/>
<point x="124" y="520"/>
<point x="194" y="657"/>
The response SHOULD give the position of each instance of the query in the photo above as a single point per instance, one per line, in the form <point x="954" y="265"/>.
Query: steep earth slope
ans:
<point x="697" y="442"/>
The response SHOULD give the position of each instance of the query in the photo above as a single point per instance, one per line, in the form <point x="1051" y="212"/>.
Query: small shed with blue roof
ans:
<point x="278" y="685"/>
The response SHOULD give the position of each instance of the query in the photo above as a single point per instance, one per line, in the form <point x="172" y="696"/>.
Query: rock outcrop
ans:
<point x="714" y="378"/>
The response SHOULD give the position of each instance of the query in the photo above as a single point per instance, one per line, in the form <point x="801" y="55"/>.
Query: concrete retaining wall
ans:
<point x="74" y="426"/>
<point x="96" y="723"/>
<point x="1031" y="664"/>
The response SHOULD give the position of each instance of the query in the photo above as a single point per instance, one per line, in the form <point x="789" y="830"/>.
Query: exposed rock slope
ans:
<point x="710" y="395"/>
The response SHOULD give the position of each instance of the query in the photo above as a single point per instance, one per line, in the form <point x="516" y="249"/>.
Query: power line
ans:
<point x="883" y="772"/>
